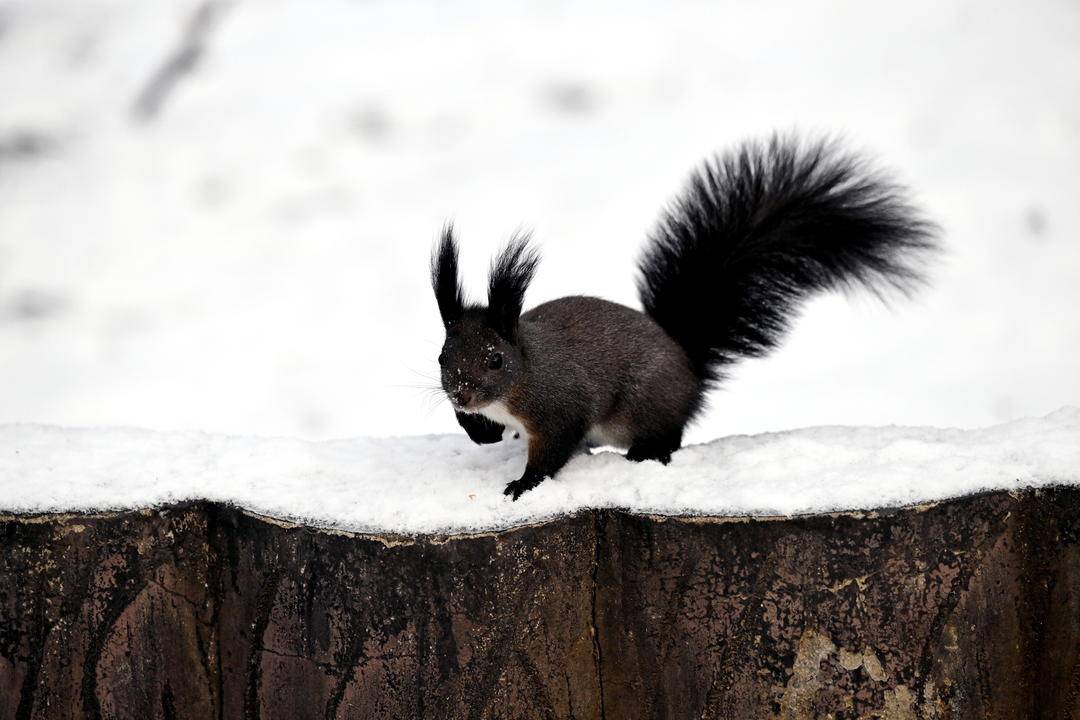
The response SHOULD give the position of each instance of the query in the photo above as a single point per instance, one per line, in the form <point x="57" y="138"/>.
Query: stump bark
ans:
<point x="962" y="609"/>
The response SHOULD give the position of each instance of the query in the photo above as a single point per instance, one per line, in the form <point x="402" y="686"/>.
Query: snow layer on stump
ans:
<point x="445" y="484"/>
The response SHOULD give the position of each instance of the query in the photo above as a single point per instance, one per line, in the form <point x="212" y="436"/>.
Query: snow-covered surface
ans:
<point x="252" y="259"/>
<point x="444" y="483"/>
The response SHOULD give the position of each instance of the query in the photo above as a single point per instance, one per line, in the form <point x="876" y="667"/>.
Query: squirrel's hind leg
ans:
<point x="658" y="412"/>
<point x="658" y="447"/>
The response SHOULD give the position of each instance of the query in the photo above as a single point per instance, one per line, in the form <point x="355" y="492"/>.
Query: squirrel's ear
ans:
<point x="444" y="277"/>
<point x="511" y="272"/>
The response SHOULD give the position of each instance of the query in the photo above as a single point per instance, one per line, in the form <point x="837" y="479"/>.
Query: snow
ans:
<point x="444" y="483"/>
<point x="252" y="260"/>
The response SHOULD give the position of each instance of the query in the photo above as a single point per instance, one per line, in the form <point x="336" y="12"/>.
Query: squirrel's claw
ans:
<point x="526" y="483"/>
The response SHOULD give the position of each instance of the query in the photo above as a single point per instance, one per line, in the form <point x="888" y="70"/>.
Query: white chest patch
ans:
<point x="498" y="412"/>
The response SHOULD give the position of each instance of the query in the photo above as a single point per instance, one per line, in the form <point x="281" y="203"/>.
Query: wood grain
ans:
<point x="963" y="609"/>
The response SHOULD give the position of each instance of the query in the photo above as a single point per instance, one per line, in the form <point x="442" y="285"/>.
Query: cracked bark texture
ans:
<point x="963" y="609"/>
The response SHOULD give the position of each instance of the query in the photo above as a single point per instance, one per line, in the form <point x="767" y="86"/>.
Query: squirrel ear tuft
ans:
<point x="511" y="272"/>
<point x="444" y="277"/>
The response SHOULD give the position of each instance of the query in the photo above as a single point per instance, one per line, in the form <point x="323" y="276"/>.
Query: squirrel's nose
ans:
<point x="462" y="397"/>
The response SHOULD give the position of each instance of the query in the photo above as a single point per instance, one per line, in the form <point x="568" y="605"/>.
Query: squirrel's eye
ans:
<point x="442" y="358"/>
<point x="495" y="361"/>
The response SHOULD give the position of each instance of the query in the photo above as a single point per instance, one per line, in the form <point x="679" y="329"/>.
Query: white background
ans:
<point x="253" y="259"/>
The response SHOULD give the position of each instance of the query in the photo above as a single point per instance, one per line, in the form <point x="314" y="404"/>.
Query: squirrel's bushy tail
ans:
<point x="758" y="230"/>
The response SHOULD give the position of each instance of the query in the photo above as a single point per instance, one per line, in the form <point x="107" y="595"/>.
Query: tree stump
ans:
<point x="962" y="609"/>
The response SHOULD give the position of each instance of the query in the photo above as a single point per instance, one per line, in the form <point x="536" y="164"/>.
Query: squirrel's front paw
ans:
<point x="516" y="488"/>
<point x="486" y="437"/>
<point x="481" y="430"/>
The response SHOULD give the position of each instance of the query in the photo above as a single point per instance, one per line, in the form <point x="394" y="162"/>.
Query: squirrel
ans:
<point x="754" y="233"/>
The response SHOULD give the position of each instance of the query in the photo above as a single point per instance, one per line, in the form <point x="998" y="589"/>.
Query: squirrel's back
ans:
<point x="613" y="362"/>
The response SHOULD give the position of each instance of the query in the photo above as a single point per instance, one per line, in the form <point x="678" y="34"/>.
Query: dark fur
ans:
<point x="755" y="233"/>
<point x="760" y="229"/>
<point x="479" y="429"/>
<point x="444" y="277"/>
<point x="511" y="272"/>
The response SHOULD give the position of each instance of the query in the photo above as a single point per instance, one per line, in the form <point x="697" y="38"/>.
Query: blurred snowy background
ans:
<point x="217" y="215"/>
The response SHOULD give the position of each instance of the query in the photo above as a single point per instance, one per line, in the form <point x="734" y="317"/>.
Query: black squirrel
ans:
<point x="754" y="233"/>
